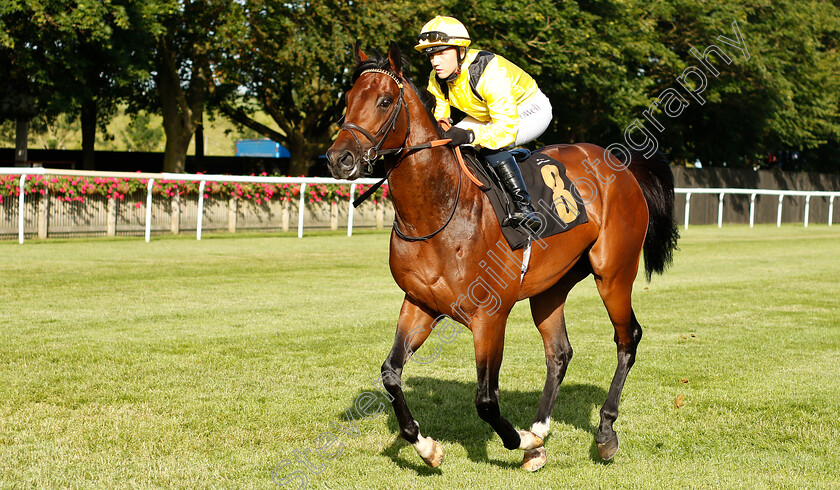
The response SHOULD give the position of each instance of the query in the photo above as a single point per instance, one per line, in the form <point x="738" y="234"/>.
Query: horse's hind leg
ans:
<point x="616" y="291"/>
<point x="407" y="340"/>
<point x="547" y="309"/>
<point x="558" y="354"/>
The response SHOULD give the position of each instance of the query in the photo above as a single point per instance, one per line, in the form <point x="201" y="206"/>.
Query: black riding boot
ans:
<point x="511" y="177"/>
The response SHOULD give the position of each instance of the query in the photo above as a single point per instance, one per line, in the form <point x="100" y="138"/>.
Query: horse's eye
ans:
<point x="386" y="102"/>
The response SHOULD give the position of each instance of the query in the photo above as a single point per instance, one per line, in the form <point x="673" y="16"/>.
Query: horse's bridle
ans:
<point x="374" y="152"/>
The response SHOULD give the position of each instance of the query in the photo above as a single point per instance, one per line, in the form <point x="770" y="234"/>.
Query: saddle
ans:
<point x="553" y="195"/>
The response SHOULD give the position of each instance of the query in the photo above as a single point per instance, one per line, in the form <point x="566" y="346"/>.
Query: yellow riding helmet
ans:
<point x="442" y="33"/>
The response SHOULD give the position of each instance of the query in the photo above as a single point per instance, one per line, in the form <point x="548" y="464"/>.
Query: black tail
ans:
<point x="657" y="183"/>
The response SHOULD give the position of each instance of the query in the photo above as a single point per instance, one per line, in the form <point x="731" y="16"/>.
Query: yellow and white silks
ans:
<point x="514" y="110"/>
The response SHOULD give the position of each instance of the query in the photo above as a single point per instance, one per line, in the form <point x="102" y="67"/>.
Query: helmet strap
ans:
<point x="460" y="57"/>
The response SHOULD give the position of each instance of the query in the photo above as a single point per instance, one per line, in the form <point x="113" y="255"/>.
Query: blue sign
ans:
<point x="264" y="148"/>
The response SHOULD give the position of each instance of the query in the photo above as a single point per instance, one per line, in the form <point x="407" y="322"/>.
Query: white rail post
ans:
<point x="149" y="209"/>
<point x="300" y="209"/>
<point x="350" y="210"/>
<point x="200" y="219"/>
<point x="687" y="207"/>
<point x="807" y="208"/>
<point x="720" y="210"/>
<point x="21" y="209"/>
<point x="830" y="209"/>
<point x="752" y="209"/>
<point x="779" y="212"/>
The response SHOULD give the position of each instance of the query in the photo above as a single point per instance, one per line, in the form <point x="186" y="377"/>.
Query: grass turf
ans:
<point x="180" y="363"/>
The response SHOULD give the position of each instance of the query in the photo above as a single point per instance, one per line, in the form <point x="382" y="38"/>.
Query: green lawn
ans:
<point x="180" y="363"/>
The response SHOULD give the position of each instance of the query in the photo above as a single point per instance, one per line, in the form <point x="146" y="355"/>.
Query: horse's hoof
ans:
<point x="534" y="459"/>
<point x="436" y="457"/>
<point x="528" y="440"/>
<point x="606" y="450"/>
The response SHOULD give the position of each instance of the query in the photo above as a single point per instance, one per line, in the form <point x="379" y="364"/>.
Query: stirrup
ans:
<point x="525" y="218"/>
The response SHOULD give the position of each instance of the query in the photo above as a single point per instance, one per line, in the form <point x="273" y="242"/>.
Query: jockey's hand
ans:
<point x="459" y="136"/>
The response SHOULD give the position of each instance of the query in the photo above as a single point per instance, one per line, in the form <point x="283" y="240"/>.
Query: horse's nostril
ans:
<point x="346" y="160"/>
<point x="342" y="162"/>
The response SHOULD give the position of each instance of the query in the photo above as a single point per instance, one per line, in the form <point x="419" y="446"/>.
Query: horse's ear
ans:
<point x="395" y="57"/>
<point x="357" y="50"/>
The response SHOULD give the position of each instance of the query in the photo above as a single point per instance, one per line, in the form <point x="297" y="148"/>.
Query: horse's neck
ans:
<point x="424" y="184"/>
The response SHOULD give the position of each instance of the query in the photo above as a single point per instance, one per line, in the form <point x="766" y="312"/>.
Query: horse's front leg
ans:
<point x="489" y="340"/>
<point x="413" y="328"/>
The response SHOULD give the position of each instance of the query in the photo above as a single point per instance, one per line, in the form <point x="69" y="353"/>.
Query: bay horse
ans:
<point x="444" y="226"/>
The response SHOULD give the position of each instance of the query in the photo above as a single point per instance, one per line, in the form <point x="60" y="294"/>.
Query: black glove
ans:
<point x="459" y="136"/>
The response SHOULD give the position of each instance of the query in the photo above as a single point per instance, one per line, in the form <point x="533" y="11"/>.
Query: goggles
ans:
<point x="437" y="37"/>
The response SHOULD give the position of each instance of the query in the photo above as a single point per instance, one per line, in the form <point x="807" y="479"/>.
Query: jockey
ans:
<point x="503" y="104"/>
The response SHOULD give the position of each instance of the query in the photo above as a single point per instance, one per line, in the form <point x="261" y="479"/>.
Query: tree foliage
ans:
<point x="75" y="57"/>
<point x="294" y="63"/>
<point x="785" y="96"/>
<point x="602" y="63"/>
<point x="188" y="38"/>
<point x="141" y="135"/>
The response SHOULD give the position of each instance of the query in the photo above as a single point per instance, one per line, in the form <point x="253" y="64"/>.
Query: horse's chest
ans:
<point x="430" y="278"/>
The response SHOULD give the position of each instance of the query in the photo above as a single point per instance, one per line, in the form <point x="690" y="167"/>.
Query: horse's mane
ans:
<point x="378" y="61"/>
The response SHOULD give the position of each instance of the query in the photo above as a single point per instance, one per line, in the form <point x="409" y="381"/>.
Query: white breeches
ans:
<point x="534" y="118"/>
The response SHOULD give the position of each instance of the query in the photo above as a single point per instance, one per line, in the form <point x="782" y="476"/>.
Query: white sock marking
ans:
<point x="541" y="428"/>
<point x="424" y="446"/>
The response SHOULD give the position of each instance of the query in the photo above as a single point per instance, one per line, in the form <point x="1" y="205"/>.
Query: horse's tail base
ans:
<point x="657" y="182"/>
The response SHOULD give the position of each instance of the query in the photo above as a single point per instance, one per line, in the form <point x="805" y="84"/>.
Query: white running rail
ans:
<point x="756" y="192"/>
<point x="201" y="178"/>
<point x="303" y="181"/>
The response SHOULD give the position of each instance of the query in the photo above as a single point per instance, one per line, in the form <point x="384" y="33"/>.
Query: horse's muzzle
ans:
<point x="343" y="164"/>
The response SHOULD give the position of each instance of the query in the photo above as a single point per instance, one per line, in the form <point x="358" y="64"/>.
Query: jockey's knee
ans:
<point x="496" y="157"/>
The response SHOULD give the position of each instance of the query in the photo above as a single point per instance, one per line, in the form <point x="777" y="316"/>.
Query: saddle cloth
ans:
<point x="554" y="197"/>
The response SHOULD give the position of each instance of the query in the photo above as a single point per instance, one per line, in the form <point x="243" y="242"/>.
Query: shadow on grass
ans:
<point x="446" y="412"/>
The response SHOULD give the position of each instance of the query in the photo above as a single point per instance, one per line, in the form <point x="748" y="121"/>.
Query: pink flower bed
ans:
<point x="75" y="189"/>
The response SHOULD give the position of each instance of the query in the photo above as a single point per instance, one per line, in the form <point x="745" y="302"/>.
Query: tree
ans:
<point x="55" y="133"/>
<point x="797" y="47"/>
<point x="141" y="135"/>
<point x="191" y="37"/>
<point x="294" y="62"/>
<point x="69" y="57"/>
<point x="22" y="61"/>
<point x="586" y="56"/>
<point x="784" y="96"/>
<point x="104" y="66"/>
<point x="603" y="63"/>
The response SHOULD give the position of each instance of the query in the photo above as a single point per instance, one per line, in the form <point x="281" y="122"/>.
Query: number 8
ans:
<point x="564" y="203"/>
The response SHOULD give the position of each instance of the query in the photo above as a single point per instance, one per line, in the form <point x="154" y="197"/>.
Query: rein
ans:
<point x="375" y="152"/>
<point x="431" y="144"/>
